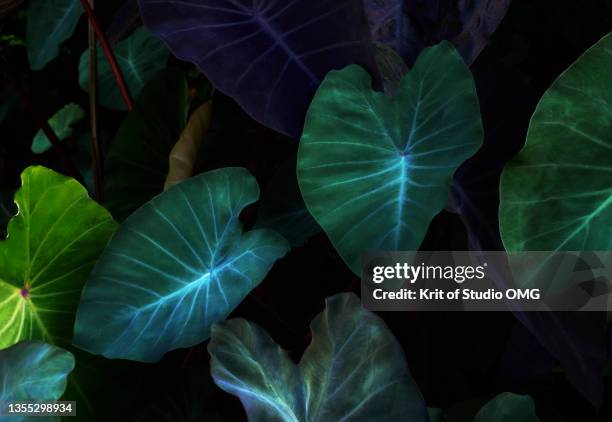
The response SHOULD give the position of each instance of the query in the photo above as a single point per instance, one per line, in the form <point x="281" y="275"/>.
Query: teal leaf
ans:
<point x="33" y="371"/>
<point x="375" y="170"/>
<point x="61" y="123"/>
<point x="137" y="163"/>
<point x="140" y="56"/>
<point x="354" y="370"/>
<point x="556" y="194"/>
<point x="176" y="266"/>
<point x="508" y="407"/>
<point x="50" y="22"/>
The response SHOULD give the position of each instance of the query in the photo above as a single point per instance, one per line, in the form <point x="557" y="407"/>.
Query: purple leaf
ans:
<point x="410" y="26"/>
<point x="507" y="102"/>
<point x="125" y="20"/>
<point x="269" y="55"/>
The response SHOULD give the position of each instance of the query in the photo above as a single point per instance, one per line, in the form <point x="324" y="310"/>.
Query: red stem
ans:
<point x="44" y="126"/>
<point x="108" y="52"/>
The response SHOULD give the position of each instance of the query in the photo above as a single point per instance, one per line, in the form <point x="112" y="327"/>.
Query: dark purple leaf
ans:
<point x="411" y="25"/>
<point x="125" y="20"/>
<point x="578" y="341"/>
<point x="270" y="55"/>
<point x="506" y="103"/>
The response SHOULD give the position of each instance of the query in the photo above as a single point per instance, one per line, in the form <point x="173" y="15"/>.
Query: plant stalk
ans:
<point x="108" y="52"/>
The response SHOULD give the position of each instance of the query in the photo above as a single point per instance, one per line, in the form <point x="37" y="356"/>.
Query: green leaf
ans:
<point x="508" y="407"/>
<point x="61" y="123"/>
<point x="52" y="244"/>
<point x="140" y="56"/>
<point x="50" y="22"/>
<point x="32" y="371"/>
<point x="557" y="193"/>
<point x="137" y="164"/>
<point x="354" y="370"/>
<point x="375" y="170"/>
<point x="175" y="267"/>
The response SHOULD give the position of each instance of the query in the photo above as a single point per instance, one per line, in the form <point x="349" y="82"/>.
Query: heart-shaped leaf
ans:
<point x="410" y="26"/>
<point x="375" y="170"/>
<point x="61" y="123"/>
<point x="268" y="55"/>
<point x="140" y="56"/>
<point x="508" y="407"/>
<point x="32" y="371"/>
<point x="52" y="245"/>
<point x="137" y="164"/>
<point x="557" y="193"/>
<point x="354" y="370"/>
<point x="176" y="266"/>
<point x="50" y="22"/>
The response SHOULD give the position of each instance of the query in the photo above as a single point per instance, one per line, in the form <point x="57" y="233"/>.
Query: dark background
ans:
<point x="459" y="360"/>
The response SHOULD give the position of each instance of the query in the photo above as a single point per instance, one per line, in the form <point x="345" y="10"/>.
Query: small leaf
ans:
<point x="508" y="407"/>
<point x="185" y="152"/>
<point x="140" y="57"/>
<point x="51" y="247"/>
<point x="557" y="193"/>
<point x="50" y="23"/>
<point x="137" y="164"/>
<point x="175" y="267"/>
<point x="354" y="370"/>
<point x="269" y="56"/>
<point x="61" y="123"/>
<point x="375" y="170"/>
<point x="33" y="371"/>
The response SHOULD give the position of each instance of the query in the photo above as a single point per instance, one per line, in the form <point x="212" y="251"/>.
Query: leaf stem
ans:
<point x="108" y="52"/>
<point x="44" y="126"/>
<point x="96" y="157"/>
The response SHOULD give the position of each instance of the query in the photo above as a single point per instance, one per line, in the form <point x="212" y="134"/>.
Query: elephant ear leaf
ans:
<point x="269" y="56"/>
<point x="176" y="266"/>
<point x="508" y="407"/>
<point x="50" y="23"/>
<point x="33" y="371"/>
<point x="61" y="123"/>
<point x="353" y="370"/>
<point x="374" y="170"/>
<point x="557" y="192"/>
<point x="52" y="245"/>
<point x="137" y="163"/>
<point x="140" y="56"/>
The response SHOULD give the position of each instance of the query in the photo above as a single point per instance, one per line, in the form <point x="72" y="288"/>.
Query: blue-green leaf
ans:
<point x="176" y="266"/>
<point x="354" y="370"/>
<point x="50" y="22"/>
<point x="140" y="57"/>
<point x="374" y="170"/>
<point x="508" y="407"/>
<point x="61" y="123"/>
<point x="33" y="370"/>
